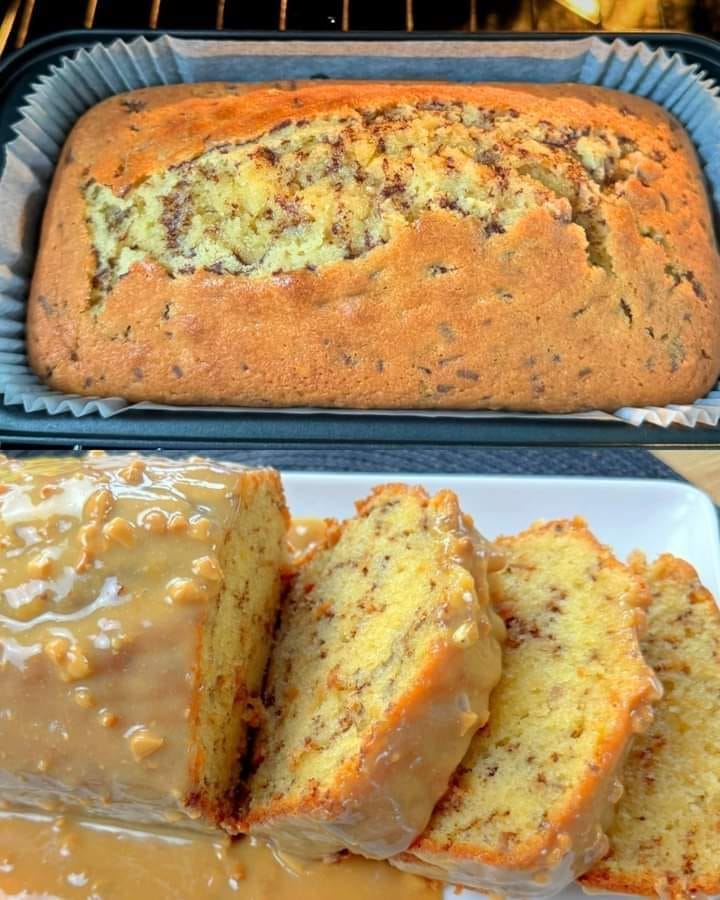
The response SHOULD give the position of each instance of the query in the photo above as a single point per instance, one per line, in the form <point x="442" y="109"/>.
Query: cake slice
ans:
<point x="137" y="601"/>
<point x="665" y="839"/>
<point x="527" y="807"/>
<point x="385" y="656"/>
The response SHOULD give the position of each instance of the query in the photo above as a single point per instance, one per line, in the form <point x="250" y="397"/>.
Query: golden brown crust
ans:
<point x="397" y="491"/>
<point x="518" y="320"/>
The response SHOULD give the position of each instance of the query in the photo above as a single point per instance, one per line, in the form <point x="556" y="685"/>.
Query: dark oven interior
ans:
<point x="25" y="20"/>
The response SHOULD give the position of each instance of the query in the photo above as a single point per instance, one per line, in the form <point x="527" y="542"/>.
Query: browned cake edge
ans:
<point x="218" y="810"/>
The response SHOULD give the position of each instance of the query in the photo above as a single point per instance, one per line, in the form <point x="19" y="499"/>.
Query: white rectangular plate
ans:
<point x="627" y="514"/>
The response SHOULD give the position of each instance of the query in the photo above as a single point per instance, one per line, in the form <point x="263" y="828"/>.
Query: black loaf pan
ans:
<point x="190" y="429"/>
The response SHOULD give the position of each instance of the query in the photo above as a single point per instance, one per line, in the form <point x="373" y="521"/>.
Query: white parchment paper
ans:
<point x="60" y="97"/>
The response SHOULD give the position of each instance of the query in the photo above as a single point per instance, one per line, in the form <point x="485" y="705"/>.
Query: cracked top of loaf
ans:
<point x="371" y="245"/>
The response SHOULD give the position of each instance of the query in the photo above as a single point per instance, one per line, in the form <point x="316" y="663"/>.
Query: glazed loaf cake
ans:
<point x="385" y="655"/>
<point x="137" y="599"/>
<point x="528" y="805"/>
<point x="369" y="245"/>
<point x="665" y="839"/>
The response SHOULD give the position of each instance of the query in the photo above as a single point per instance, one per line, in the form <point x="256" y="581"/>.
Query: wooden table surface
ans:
<point x="701" y="467"/>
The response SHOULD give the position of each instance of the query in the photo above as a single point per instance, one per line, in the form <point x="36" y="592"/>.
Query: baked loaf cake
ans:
<point x="137" y="600"/>
<point x="373" y="245"/>
<point x="665" y="839"/>
<point x="527" y="807"/>
<point x="385" y="656"/>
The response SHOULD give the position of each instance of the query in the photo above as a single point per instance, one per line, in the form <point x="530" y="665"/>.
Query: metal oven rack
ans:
<point x="24" y="20"/>
<point x="281" y="15"/>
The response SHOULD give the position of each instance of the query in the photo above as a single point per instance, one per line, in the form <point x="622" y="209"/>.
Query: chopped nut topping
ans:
<point x="108" y="719"/>
<point x="84" y="697"/>
<point x="87" y="534"/>
<point x="154" y="521"/>
<point x="200" y="529"/>
<point x="640" y="620"/>
<point x="84" y="563"/>
<point x="77" y="665"/>
<point x="185" y="590"/>
<point x="56" y="649"/>
<point x="71" y="662"/>
<point x="41" y="566"/>
<point x="99" y="504"/>
<point x="118" y="641"/>
<point x="207" y="567"/>
<point x="641" y="719"/>
<point x="178" y="524"/>
<point x="133" y="472"/>
<point x="143" y="743"/>
<point x="120" y="531"/>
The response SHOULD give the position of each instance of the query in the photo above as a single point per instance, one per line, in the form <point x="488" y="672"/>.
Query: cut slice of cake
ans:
<point x="665" y="838"/>
<point x="384" y="660"/>
<point x="527" y="807"/>
<point x="137" y="602"/>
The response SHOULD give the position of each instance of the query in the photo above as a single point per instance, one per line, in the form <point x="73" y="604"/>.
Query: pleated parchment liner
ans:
<point x="59" y="98"/>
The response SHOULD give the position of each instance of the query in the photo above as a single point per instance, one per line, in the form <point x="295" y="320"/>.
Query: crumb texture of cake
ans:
<point x="137" y="601"/>
<point x="528" y="805"/>
<point x="378" y="245"/>
<point x="385" y="656"/>
<point x="665" y="839"/>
